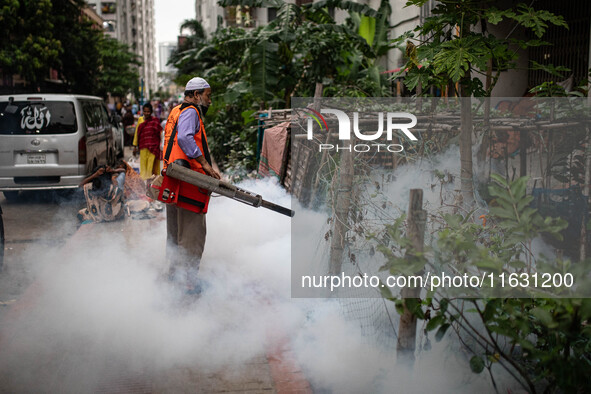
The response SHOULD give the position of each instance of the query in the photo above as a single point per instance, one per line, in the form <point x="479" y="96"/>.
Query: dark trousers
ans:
<point x="185" y="242"/>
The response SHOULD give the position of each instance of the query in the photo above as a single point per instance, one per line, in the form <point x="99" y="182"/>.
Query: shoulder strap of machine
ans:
<point x="170" y="143"/>
<point x="171" y="139"/>
<point x="173" y="134"/>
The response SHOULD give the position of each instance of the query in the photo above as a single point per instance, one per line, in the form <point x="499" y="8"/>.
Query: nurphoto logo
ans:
<point x="393" y="123"/>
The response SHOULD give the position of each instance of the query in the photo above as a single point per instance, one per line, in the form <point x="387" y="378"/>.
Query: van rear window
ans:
<point x="37" y="117"/>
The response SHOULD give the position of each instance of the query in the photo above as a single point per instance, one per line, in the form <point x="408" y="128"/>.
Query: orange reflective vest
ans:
<point x="184" y="195"/>
<point x="175" y="152"/>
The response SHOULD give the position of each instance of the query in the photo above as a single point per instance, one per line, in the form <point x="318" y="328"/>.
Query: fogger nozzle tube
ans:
<point x="223" y="188"/>
<point x="200" y="180"/>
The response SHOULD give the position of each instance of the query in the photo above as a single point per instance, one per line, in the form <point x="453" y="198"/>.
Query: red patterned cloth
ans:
<point x="149" y="135"/>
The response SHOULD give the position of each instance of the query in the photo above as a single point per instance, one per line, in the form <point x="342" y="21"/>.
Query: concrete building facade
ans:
<point x="211" y="15"/>
<point x="132" y="22"/>
<point x="165" y="49"/>
<point x="166" y="71"/>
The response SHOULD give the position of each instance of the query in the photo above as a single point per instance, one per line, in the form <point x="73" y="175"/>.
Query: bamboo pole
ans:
<point x="466" y="175"/>
<point x="407" y="329"/>
<point x="341" y="211"/>
<point x="318" y="95"/>
<point x="314" y="194"/>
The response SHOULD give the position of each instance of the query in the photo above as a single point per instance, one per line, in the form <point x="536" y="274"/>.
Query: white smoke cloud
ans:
<point x="104" y="301"/>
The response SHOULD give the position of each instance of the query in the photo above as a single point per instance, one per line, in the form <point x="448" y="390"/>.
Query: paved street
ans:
<point x="35" y="224"/>
<point x="79" y="314"/>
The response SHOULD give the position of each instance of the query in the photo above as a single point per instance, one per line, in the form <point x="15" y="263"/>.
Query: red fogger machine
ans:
<point x="191" y="190"/>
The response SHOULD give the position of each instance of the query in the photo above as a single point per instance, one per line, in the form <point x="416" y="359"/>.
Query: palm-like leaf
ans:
<point x="346" y="5"/>
<point x="264" y="69"/>
<point x="252" y="3"/>
<point x="195" y="27"/>
<point x="456" y="57"/>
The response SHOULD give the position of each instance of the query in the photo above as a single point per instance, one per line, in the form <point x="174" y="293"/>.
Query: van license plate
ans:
<point x="35" y="159"/>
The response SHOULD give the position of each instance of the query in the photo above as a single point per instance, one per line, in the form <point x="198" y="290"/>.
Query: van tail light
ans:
<point x="82" y="151"/>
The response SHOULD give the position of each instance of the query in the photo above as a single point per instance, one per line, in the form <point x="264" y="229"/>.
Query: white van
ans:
<point x="52" y="141"/>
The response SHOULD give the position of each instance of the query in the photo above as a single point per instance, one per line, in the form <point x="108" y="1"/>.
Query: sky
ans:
<point x="169" y="15"/>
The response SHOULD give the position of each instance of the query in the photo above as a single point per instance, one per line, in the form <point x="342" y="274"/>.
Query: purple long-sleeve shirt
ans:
<point x="187" y="124"/>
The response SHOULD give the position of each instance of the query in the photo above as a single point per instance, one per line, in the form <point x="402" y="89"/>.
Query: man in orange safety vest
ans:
<point x="185" y="142"/>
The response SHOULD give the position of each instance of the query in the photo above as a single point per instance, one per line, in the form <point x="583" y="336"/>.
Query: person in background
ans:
<point x="147" y="139"/>
<point x="158" y="109"/>
<point x="128" y="121"/>
<point x="140" y="120"/>
<point x="126" y="107"/>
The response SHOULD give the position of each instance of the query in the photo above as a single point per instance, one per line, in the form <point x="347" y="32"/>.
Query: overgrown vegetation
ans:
<point x="253" y="69"/>
<point x="544" y="343"/>
<point x="455" y="45"/>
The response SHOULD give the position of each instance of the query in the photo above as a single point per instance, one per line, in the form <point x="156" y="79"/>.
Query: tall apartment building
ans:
<point x="207" y="12"/>
<point x="165" y="49"/>
<point x="132" y="23"/>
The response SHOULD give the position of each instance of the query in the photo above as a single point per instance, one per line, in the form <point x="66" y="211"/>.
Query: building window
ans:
<point x="271" y="14"/>
<point x="108" y="7"/>
<point x="240" y="16"/>
<point x="568" y="48"/>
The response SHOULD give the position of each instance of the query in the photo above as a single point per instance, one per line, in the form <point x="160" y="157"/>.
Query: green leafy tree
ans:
<point x="367" y="73"/>
<point x="256" y="68"/>
<point x="91" y="63"/>
<point x="79" y="64"/>
<point x="118" y="73"/>
<point x="183" y="57"/>
<point x="28" y="46"/>
<point x="454" y="45"/>
<point x="53" y="34"/>
<point x="545" y="344"/>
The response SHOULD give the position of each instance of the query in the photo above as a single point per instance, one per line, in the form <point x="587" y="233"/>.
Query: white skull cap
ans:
<point x="197" y="83"/>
